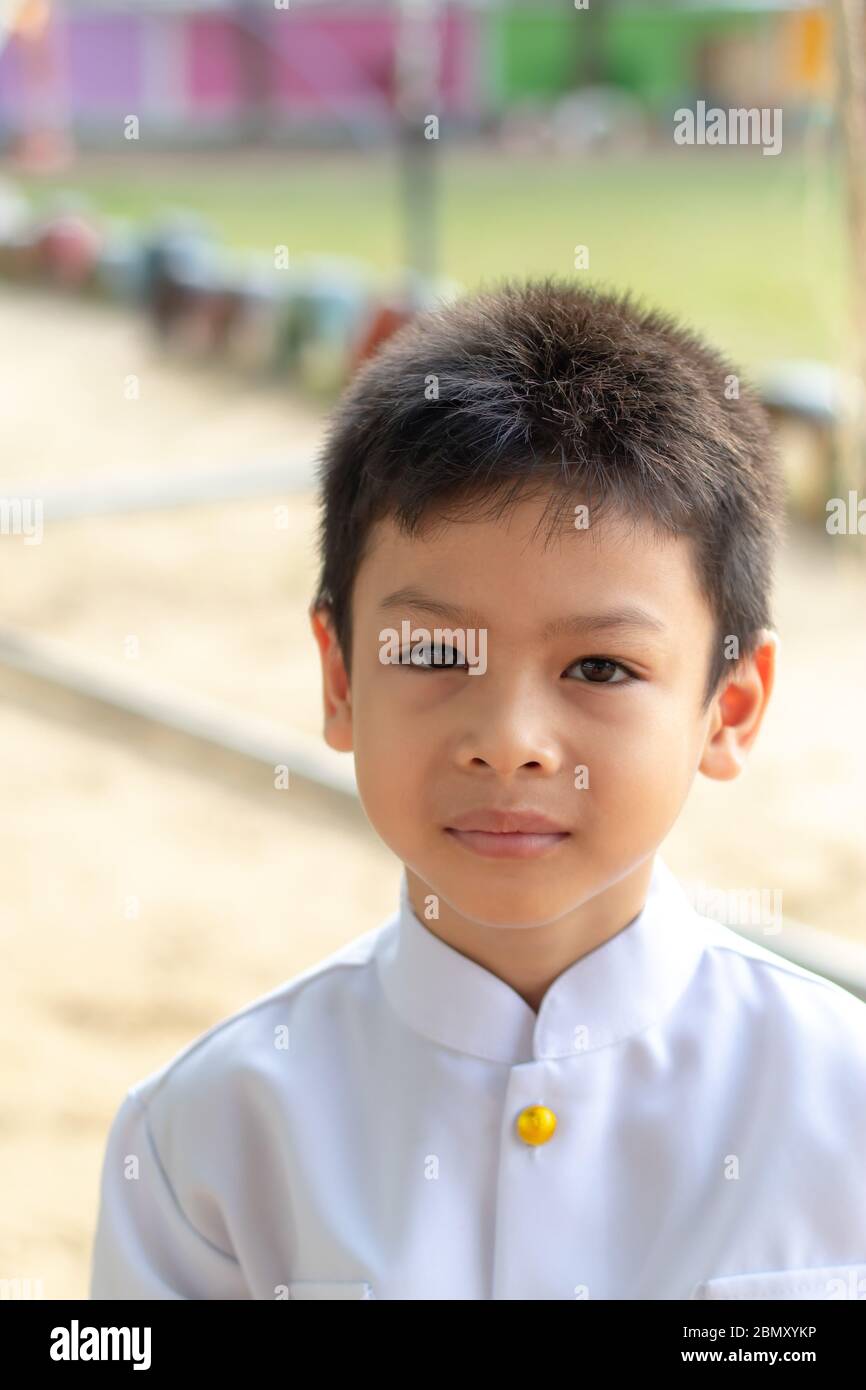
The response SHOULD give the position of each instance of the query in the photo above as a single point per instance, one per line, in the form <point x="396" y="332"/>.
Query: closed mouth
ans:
<point x="495" y="822"/>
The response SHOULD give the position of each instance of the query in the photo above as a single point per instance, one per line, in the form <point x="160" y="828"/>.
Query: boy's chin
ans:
<point x="497" y="900"/>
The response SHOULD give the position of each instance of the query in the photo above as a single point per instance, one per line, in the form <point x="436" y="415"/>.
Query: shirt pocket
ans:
<point x="330" y="1288"/>
<point x="826" y="1282"/>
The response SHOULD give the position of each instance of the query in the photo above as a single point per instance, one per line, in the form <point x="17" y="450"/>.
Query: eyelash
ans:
<point x="630" y="675"/>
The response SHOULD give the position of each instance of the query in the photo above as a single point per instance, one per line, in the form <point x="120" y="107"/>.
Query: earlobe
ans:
<point x="336" y="691"/>
<point x="738" y="711"/>
<point x="723" y="757"/>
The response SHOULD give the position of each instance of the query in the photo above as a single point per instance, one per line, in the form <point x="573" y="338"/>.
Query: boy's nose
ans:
<point x="507" y="723"/>
<point x="506" y="745"/>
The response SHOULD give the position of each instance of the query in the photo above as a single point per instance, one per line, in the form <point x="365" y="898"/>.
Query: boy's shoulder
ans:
<point x="755" y="993"/>
<point x="238" y="1043"/>
<point x="773" y="989"/>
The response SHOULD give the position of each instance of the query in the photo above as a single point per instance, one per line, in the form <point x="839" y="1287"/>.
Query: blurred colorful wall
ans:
<point x="219" y="71"/>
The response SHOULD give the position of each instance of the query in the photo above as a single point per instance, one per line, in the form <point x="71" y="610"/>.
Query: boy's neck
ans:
<point x="529" y="959"/>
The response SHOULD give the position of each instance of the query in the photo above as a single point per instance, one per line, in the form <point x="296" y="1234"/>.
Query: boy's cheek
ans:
<point x="655" y="764"/>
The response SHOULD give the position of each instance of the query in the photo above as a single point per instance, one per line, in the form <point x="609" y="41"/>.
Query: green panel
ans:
<point x="651" y="53"/>
<point x="538" y="51"/>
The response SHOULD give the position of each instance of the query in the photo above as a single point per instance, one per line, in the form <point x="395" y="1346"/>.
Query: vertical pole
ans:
<point x="252" y="36"/>
<point x="850" y="38"/>
<point x="44" y="145"/>
<point x="417" y="91"/>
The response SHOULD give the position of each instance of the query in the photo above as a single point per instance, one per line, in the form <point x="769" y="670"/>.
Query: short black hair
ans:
<point x="544" y="385"/>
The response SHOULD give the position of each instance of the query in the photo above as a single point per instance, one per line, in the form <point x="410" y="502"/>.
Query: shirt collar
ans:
<point x="616" y="990"/>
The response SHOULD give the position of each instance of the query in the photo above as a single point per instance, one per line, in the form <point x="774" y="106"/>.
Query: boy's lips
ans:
<point x="507" y="834"/>
<point x="518" y="822"/>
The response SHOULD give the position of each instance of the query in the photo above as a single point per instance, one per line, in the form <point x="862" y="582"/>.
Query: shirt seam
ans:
<point x="784" y="967"/>
<point x="165" y="1178"/>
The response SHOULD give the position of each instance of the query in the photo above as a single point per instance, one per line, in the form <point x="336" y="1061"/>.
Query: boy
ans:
<point x="546" y="1076"/>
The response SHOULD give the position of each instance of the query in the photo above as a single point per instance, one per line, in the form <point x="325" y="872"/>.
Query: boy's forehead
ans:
<point x="528" y="527"/>
<point x="515" y="563"/>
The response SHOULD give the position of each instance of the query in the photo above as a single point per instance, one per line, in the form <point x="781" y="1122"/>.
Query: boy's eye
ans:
<point x="595" y="670"/>
<point x="598" y="669"/>
<point x="427" y="657"/>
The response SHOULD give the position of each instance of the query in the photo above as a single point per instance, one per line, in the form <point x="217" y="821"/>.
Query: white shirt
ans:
<point x="710" y="1104"/>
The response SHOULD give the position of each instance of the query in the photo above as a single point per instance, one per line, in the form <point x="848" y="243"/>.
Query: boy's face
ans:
<point x="610" y="759"/>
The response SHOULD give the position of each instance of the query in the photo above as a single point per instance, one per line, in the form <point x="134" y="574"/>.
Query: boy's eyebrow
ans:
<point x="628" y="617"/>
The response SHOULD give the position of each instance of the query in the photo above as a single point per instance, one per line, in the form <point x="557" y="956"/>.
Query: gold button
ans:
<point x="536" y="1124"/>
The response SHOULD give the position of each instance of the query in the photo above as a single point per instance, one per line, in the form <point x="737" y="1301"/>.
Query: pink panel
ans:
<point x="450" y="35"/>
<point x="212" y="66"/>
<point x="329" y="62"/>
<point x="332" y="61"/>
<point x="462" y="62"/>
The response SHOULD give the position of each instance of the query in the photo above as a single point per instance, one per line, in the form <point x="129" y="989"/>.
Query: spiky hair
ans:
<point x="546" y="387"/>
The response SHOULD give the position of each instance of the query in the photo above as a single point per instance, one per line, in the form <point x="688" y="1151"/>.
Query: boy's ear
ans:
<point x="336" y="694"/>
<point x="738" y="710"/>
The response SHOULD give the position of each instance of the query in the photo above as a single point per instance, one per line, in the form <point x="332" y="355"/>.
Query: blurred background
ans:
<point x="210" y="214"/>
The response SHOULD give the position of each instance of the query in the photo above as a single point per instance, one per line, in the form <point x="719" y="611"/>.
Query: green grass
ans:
<point x="748" y="249"/>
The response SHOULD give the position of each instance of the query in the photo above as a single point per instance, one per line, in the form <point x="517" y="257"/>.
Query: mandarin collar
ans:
<point x="615" y="990"/>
